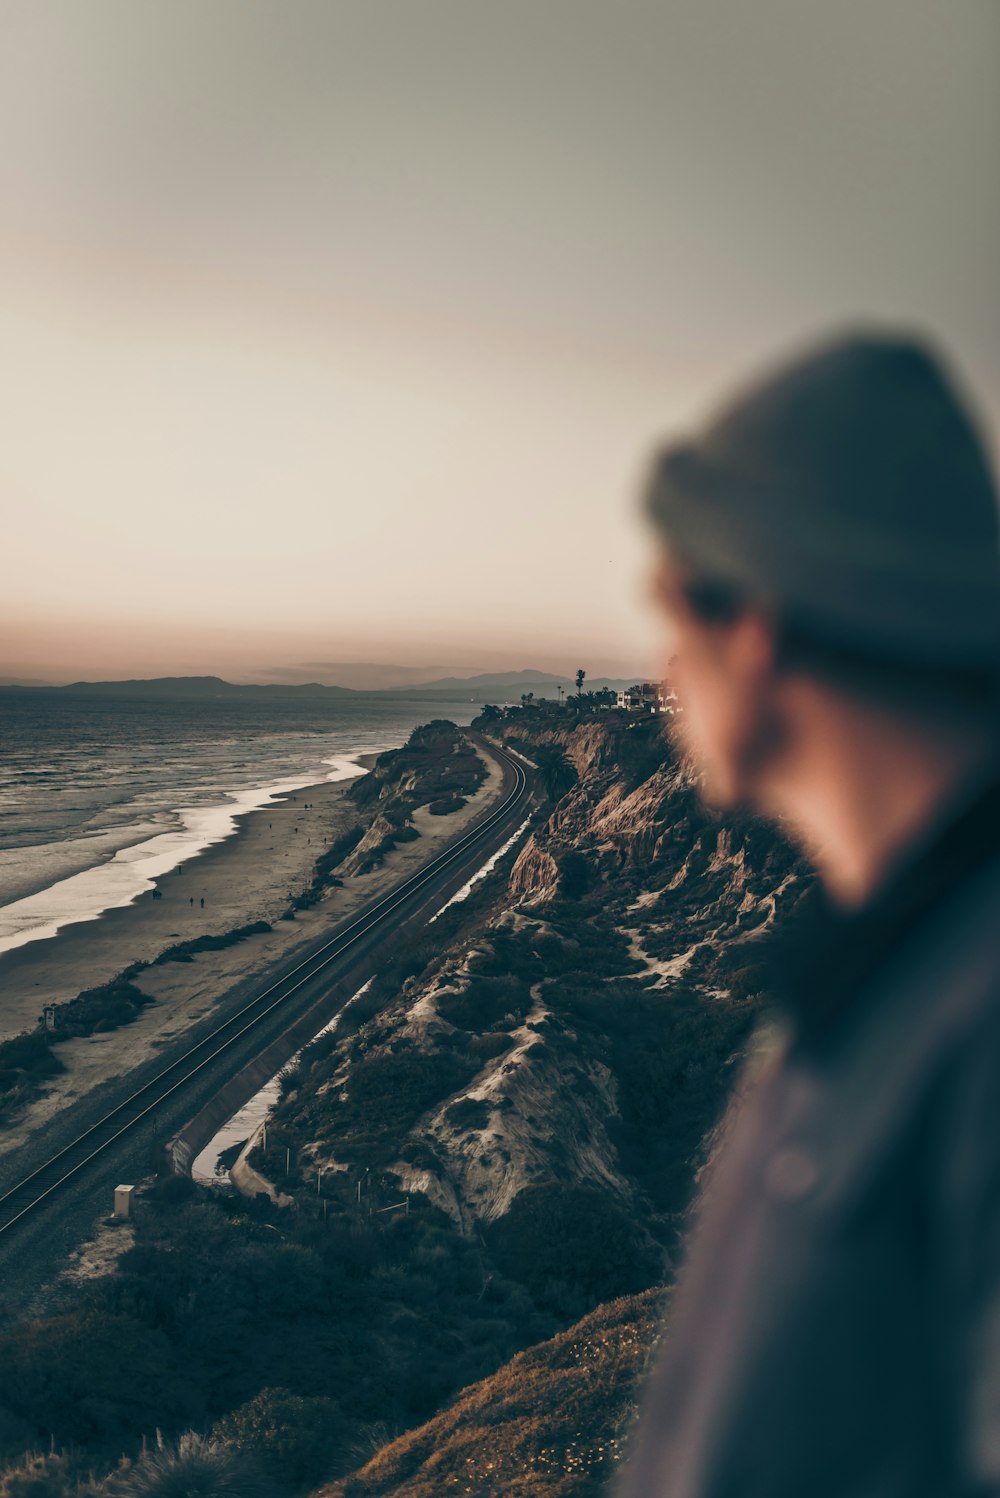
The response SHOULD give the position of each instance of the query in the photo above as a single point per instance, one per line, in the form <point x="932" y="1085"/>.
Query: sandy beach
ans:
<point x="247" y="878"/>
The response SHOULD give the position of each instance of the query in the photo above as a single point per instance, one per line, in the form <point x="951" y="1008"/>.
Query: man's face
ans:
<point x="720" y="672"/>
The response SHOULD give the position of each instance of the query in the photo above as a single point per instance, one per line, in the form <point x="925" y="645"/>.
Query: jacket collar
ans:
<point x="828" y="957"/>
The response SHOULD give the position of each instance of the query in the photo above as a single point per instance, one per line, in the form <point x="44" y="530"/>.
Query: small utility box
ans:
<point x="123" y="1201"/>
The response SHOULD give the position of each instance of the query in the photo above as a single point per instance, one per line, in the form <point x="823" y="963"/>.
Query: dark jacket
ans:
<point x="836" y="1330"/>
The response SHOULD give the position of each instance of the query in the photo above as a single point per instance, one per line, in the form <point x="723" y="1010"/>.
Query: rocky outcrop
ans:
<point x="380" y="837"/>
<point x="647" y="827"/>
<point x="535" y="873"/>
<point x="624" y="931"/>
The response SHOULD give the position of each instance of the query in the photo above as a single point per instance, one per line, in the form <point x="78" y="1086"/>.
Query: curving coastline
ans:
<point x="133" y="871"/>
<point x="242" y="876"/>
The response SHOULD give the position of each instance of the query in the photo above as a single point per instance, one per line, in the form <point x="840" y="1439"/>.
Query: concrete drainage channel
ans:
<point x="249" y="1123"/>
<point x="185" y="1147"/>
<point x="190" y="1152"/>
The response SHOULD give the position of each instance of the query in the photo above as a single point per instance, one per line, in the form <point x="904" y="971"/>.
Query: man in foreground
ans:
<point x="830" y="570"/>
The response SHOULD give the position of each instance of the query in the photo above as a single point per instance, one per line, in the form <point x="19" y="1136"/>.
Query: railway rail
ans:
<point x="37" y="1189"/>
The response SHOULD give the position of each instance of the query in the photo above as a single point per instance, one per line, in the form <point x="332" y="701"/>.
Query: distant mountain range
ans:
<point x="502" y="686"/>
<point x="363" y="676"/>
<point x="201" y="686"/>
<point x="183" y="686"/>
<point x="527" y="680"/>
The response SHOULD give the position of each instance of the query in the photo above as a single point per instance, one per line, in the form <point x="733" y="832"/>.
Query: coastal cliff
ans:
<point x="487" y="1165"/>
<point x="571" y="1056"/>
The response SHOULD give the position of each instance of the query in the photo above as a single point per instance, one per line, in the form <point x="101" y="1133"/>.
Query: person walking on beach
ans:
<point x="828" y="564"/>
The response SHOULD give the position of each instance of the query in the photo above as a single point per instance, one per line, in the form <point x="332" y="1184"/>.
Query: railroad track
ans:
<point x="41" y="1185"/>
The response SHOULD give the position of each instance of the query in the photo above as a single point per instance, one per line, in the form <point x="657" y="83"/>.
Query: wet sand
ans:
<point x="246" y="878"/>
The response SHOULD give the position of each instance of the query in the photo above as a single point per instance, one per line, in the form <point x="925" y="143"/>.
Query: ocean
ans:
<point x="100" y="795"/>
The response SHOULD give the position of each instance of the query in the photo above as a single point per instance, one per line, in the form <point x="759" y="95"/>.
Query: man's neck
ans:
<point x="863" y="790"/>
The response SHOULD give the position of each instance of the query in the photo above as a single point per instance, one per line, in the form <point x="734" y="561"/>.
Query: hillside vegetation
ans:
<point x="437" y="768"/>
<point x="501" y="1139"/>
<point x="553" y="1421"/>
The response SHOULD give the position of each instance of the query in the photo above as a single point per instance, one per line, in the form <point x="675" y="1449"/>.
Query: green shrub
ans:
<point x="390" y="1090"/>
<point x="443" y="806"/>
<point x="469" y="1113"/>
<point x="484" y="1002"/>
<point x="297" y="1439"/>
<point x="747" y="981"/>
<point x="55" y="1475"/>
<point x="572" y="1247"/>
<point x="26" y="1061"/>
<point x="193" y="1468"/>
<point x="92" y="1377"/>
<point x="183" y="951"/>
<point x="575" y="874"/>
<point x="29" y="1052"/>
<point x="488" y="1047"/>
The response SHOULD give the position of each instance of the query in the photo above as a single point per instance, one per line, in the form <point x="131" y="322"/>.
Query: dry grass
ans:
<point x="549" y="1424"/>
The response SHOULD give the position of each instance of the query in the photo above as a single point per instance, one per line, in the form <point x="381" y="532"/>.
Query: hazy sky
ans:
<point x="341" y="331"/>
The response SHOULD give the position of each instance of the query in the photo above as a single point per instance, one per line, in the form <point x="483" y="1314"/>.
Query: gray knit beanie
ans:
<point x="851" y="493"/>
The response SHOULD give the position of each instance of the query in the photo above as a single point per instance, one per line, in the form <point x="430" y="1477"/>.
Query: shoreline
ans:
<point x="137" y="867"/>
<point x="243" y="877"/>
<point x="184" y="992"/>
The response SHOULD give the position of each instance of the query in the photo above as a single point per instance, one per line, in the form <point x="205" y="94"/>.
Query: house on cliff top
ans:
<point x="648" y="697"/>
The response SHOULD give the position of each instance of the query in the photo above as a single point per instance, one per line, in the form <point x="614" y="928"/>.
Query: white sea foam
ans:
<point x="134" y="870"/>
<point x="100" y="798"/>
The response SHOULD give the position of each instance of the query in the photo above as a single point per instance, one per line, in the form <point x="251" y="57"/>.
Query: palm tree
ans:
<point x="556" y="769"/>
<point x="579" y="683"/>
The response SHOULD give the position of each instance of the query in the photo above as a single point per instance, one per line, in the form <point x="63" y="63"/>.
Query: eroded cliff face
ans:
<point x="581" y="1032"/>
<point x="525" y="1109"/>
<point x="637" y="829"/>
<point x="697" y="877"/>
<point x="502" y="1134"/>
